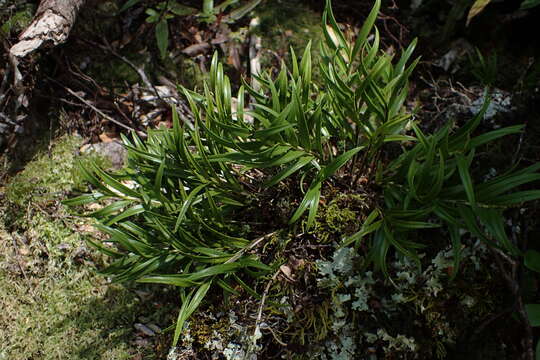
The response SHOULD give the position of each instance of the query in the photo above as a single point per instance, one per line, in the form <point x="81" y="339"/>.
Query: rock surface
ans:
<point x="112" y="150"/>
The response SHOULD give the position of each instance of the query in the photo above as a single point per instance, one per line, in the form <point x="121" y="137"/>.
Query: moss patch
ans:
<point x="14" y="17"/>
<point x="279" y="33"/>
<point x="54" y="305"/>
<point x="340" y="217"/>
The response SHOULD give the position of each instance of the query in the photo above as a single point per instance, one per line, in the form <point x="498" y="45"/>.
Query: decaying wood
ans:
<point x="255" y="45"/>
<point x="51" y="26"/>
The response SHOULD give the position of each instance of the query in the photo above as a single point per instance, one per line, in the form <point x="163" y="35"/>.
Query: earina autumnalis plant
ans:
<point x="168" y="213"/>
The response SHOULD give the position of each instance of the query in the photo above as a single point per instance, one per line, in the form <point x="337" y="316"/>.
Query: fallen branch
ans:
<point x="51" y="26"/>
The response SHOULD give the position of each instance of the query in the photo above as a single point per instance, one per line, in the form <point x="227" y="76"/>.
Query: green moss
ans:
<point x="69" y="315"/>
<point x="50" y="174"/>
<point x="113" y="71"/>
<point x="189" y="72"/>
<point x="297" y="28"/>
<point x="54" y="305"/>
<point x="279" y="33"/>
<point x="341" y="216"/>
<point x="14" y="22"/>
<point x="203" y="329"/>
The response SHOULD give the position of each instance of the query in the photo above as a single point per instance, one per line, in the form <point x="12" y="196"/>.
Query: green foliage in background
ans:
<point x="484" y="69"/>
<point x="14" y="17"/>
<point x="479" y="5"/>
<point x="167" y="10"/>
<point x="169" y="214"/>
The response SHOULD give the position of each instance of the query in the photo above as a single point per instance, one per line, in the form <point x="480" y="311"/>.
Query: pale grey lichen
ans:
<point x="232" y="340"/>
<point x="340" y="268"/>
<point x="375" y="301"/>
<point x="344" y="298"/>
<point x="233" y="351"/>
<point x="362" y="296"/>
<point x="343" y="260"/>
<point x="397" y="343"/>
<point x="398" y="298"/>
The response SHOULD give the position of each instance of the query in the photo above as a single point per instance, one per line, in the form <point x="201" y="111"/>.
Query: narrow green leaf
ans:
<point x="330" y="169"/>
<point x="463" y="167"/>
<point x="189" y="305"/>
<point x="266" y="133"/>
<point x="408" y="224"/>
<point x="113" y="184"/>
<point x="288" y="171"/>
<point x="110" y="209"/>
<point x="305" y="68"/>
<point x="400" y="66"/>
<point x="334" y="36"/>
<point x="229" y="240"/>
<point x="181" y="10"/>
<point x="313" y="207"/>
<point x="533" y="313"/>
<point x="240" y="12"/>
<point x="516" y="198"/>
<point x="525" y="5"/>
<point x="104" y="249"/>
<point x="220" y="269"/>
<point x="395" y="242"/>
<point x="379" y="251"/>
<point x="225" y="286"/>
<point x="491" y="190"/>
<point x="159" y="177"/>
<point x="461" y="136"/>
<point x="495" y="134"/>
<point x="397" y="138"/>
<point x="366" y="29"/>
<point x="162" y="37"/>
<point x="281" y="159"/>
<point x="128" y="4"/>
<point x="471" y="224"/>
<point x="187" y="203"/>
<point x="135" y="210"/>
<point x="476" y="8"/>
<point x="175" y="280"/>
<point x="312" y="196"/>
<point x="444" y="213"/>
<point x="493" y="220"/>
<point x="532" y="260"/>
<point x="369" y="226"/>
<point x="83" y="199"/>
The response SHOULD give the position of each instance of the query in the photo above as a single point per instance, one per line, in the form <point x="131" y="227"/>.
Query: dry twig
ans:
<point x="90" y="105"/>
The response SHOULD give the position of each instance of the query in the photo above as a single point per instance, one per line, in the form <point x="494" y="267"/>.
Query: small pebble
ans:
<point x="144" y="329"/>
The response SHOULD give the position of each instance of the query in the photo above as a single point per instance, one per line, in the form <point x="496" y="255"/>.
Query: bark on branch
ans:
<point x="51" y="26"/>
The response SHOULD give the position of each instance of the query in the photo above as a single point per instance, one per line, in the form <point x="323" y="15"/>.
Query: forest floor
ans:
<point x="54" y="303"/>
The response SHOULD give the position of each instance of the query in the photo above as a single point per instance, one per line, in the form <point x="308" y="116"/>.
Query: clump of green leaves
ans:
<point x="169" y="213"/>
<point x="484" y="69"/>
<point x="431" y="185"/>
